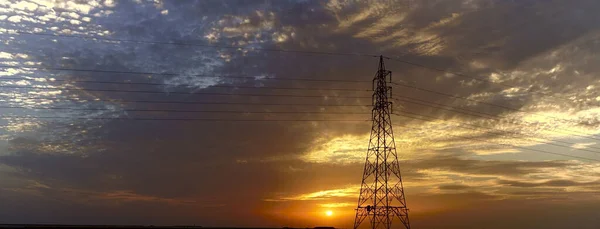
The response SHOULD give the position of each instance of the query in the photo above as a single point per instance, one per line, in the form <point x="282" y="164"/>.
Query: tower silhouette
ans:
<point x="381" y="197"/>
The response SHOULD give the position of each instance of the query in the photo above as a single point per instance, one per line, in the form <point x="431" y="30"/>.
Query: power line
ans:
<point x="183" y="111"/>
<point x="321" y="96"/>
<point x="180" y="74"/>
<point x="454" y="96"/>
<point x="188" y="85"/>
<point x="472" y="77"/>
<point x="186" y="119"/>
<point x="196" y="45"/>
<point x="451" y="108"/>
<point x="200" y="102"/>
<point x="192" y="111"/>
<point x="182" y="93"/>
<point x="508" y="132"/>
<point x="509" y="145"/>
<point x="282" y="120"/>
<point x="490" y="104"/>
<point x="483" y="115"/>
<point x="446" y="71"/>
<point x="303" y="79"/>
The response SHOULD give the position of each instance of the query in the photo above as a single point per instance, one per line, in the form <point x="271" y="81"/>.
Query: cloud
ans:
<point x="485" y="167"/>
<point x="92" y="197"/>
<point x="338" y="205"/>
<point x="453" y="187"/>
<point x="550" y="183"/>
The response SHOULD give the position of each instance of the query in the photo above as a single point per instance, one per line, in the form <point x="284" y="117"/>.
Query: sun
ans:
<point x="329" y="213"/>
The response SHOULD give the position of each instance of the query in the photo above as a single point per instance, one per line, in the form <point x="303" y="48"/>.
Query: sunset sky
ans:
<point x="496" y="111"/>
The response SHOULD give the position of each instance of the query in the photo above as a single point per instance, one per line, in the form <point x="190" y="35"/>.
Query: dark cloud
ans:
<point x="484" y="167"/>
<point x="46" y="210"/>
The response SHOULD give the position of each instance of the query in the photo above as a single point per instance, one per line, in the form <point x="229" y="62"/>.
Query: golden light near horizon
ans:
<point x="328" y="213"/>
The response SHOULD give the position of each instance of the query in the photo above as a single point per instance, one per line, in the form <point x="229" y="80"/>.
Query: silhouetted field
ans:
<point x="57" y="226"/>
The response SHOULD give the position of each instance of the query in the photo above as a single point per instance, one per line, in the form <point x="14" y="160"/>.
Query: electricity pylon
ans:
<point x="381" y="197"/>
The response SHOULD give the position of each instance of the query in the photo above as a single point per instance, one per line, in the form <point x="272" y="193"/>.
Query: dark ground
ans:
<point x="57" y="226"/>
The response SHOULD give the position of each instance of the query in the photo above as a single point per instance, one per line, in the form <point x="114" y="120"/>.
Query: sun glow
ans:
<point x="329" y="213"/>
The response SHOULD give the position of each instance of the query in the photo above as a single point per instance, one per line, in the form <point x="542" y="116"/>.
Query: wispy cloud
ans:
<point x="350" y="191"/>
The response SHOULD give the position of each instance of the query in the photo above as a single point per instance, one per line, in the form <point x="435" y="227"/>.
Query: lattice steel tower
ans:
<point x="381" y="197"/>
